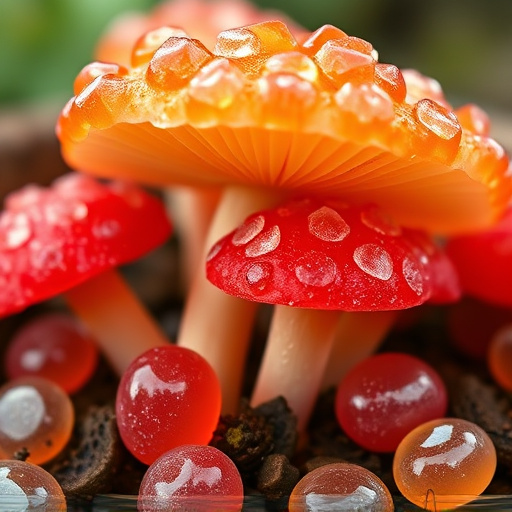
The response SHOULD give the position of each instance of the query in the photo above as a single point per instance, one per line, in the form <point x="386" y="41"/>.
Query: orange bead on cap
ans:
<point x="264" y="109"/>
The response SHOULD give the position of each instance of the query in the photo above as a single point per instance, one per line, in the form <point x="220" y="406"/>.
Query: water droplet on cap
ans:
<point x="316" y="269"/>
<point x="413" y="276"/>
<point x="248" y="230"/>
<point x="259" y="276"/>
<point x="374" y="260"/>
<point x="327" y="224"/>
<point x="16" y="231"/>
<point x="264" y="243"/>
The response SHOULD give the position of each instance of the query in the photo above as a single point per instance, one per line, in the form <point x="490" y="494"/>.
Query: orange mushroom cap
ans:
<point x="319" y="116"/>
<point x="202" y="19"/>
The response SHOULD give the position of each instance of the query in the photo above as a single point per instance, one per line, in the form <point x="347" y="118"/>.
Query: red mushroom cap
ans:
<point x="484" y="262"/>
<point x="323" y="255"/>
<point x="54" y="238"/>
<point x="446" y="287"/>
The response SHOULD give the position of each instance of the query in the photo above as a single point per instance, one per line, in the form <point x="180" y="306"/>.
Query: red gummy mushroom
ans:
<point x="263" y="116"/>
<point x="67" y="239"/>
<point x="314" y="259"/>
<point x="366" y="330"/>
<point x="484" y="262"/>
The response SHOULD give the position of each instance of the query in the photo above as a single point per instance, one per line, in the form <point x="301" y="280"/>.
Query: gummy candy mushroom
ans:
<point x="312" y="260"/>
<point x="484" y="262"/>
<point x="191" y="207"/>
<point x="368" y="329"/>
<point x="67" y="239"/>
<point x="263" y="116"/>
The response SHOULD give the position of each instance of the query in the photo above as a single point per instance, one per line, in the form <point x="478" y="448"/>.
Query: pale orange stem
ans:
<point x="214" y="324"/>
<point x="295" y="357"/>
<point x="121" y="325"/>
<point x="358" y="335"/>
<point x="191" y="211"/>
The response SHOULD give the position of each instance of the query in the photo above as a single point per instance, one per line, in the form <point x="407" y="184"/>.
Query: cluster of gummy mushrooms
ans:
<point x="314" y="305"/>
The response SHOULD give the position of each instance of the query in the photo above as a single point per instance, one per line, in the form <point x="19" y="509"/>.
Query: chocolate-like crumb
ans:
<point x="246" y="438"/>
<point x="284" y="422"/>
<point x="89" y="465"/>
<point x="23" y="454"/>
<point x="277" y="477"/>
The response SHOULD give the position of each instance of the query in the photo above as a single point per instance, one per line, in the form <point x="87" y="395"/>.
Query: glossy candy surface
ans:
<point x="53" y="238"/>
<point x="192" y="477"/>
<point x="449" y="461"/>
<point x="387" y="395"/>
<point x="323" y="254"/>
<point x="37" y="415"/>
<point x="340" y="487"/>
<point x="54" y="346"/>
<point x="169" y="396"/>
<point x="499" y="357"/>
<point x="27" y="487"/>
<point x="314" y="114"/>
<point x="482" y="260"/>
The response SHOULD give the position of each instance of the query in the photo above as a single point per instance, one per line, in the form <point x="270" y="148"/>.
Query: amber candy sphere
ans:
<point x="499" y="357"/>
<point x="343" y="487"/>
<point x="36" y="415"/>
<point x="25" y="486"/>
<point x="444" y="463"/>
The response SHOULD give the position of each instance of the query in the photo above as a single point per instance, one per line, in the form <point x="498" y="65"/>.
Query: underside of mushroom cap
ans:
<point x="54" y="238"/>
<point x="324" y="255"/>
<point x="317" y="116"/>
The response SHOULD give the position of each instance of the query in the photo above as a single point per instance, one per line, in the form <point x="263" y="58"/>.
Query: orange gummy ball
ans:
<point x="25" y="486"/>
<point x="444" y="463"/>
<point x="499" y="357"/>
<point x="36" y="415"/>
<point x="340" y="486"/>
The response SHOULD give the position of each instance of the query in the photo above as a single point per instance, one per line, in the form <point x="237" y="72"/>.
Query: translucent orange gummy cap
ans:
<point x="319" y="115"/>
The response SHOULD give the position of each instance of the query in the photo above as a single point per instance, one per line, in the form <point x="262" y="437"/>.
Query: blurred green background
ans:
<point x="465" y="44"/>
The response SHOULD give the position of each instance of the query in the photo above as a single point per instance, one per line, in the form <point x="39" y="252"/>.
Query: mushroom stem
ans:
<point x="295" y="357"/>
<point x="358" y="335"/>
<point x="216" y="325"/>
<point x="191" y="210"/>
<point x="119" y="322"/>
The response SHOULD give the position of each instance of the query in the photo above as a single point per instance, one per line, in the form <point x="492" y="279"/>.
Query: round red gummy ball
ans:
<point x="54" y="346"/>
<point x="387" y="395"/>
<point x="168" y="396"/>
<point x="192" y="477"/>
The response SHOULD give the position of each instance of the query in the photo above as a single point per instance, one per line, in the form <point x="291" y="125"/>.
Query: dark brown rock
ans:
<point x="277" y="477"/>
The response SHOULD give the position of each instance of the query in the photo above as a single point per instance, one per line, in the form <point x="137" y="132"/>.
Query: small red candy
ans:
<point x="192" y="477"/>
<point x="168" y="396"/>
<point x="54" y="346"/>
<point x="387" y="395"/>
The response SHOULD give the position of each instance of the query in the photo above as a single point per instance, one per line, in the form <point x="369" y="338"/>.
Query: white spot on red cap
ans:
<point x="374" y="260"/>
<point x="264" y="243"/>
<point x="413" y="276"/>
<point x="316" y="269"/>
<point x="248" y="230"/>
<point x="327" y="224"/>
